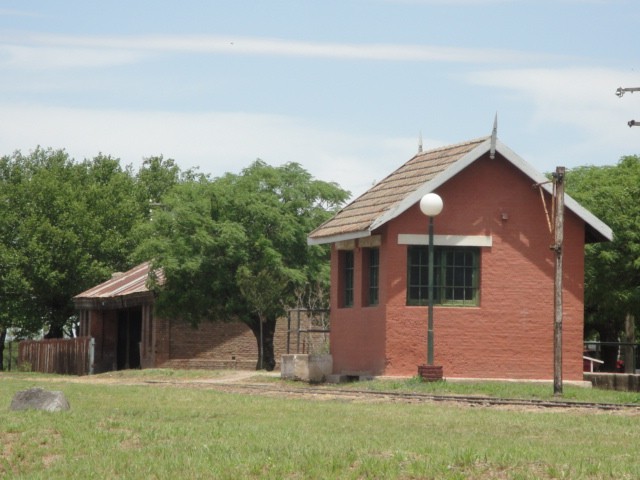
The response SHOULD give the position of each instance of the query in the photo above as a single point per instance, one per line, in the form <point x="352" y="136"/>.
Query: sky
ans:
<point x="346" y="88"/>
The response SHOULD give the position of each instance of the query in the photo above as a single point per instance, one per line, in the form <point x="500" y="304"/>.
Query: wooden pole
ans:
<point x="557" y="248"/>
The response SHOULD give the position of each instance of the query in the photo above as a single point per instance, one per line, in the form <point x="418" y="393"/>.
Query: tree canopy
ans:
<point x="612" y="269"/>
<point x="65" y="227"/>
<point x="231" y="248"/>
<point x="235" y="248"/>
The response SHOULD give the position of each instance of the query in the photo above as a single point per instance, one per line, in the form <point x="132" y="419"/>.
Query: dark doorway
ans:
<point x="129" y="336"/>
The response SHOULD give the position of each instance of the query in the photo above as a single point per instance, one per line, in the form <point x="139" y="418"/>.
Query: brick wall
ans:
<point x="216" y="344"/>
<point x="510" y="334"/>
<point x="175" y="344"/>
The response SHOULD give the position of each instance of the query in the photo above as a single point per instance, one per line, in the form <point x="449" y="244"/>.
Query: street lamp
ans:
<point x="431" y="205"/>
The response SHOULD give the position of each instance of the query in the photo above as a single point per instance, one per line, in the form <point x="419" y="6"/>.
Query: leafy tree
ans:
<point x="67" y="226"/>
<point x="235" y="248"/>
<point x="612" y="269"/>
<point x="156" y="177"/>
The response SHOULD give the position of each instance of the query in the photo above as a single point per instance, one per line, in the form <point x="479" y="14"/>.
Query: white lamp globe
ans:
<point x="431" y="204"/>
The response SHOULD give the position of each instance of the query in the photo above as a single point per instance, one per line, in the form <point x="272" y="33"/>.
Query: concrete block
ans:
<point x="614" y="381"/>
<point x="307" y="368"/>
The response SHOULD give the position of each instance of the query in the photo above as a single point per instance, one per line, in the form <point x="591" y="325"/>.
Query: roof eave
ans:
<point x="341" y="237"/>
<point x="598" y="227"/>
<point x="115" y="302"/>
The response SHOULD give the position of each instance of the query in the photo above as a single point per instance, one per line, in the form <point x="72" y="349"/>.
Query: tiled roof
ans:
<point x="132" y="283"/>
<point x="424" y="173"/>
<point x="361" y="214"/>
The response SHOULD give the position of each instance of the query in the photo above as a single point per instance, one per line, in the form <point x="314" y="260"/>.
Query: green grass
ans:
<point x="152" y="431"/>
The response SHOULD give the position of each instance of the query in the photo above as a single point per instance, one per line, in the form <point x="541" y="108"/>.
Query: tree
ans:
<point x="235" y="248"/>
<point x="612" y="269"/>
<point x="67" y="226"/>
<point x="156" y="177"/>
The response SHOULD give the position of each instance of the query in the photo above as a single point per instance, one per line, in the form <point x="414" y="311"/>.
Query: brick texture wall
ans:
<point x="510" y="334"/>
<point x="219" y="344"/>
<point x="175" y="344"/>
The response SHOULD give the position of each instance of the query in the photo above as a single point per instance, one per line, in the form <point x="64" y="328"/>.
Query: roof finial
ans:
<point x="420" y="143"/>
<point x="494" y="137"/>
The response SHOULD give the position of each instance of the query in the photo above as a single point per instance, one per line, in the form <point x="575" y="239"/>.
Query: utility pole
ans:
<point x="558" y="180"/>
<point x="620" y="92"/>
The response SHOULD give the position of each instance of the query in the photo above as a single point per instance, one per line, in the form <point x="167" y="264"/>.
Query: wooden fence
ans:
<point x="68" y="356"/>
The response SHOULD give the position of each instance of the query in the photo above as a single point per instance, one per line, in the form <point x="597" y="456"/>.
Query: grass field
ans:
<point x="152" y="431"/>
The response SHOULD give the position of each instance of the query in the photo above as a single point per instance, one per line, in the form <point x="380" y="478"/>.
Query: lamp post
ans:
<point x="431" y="205"/>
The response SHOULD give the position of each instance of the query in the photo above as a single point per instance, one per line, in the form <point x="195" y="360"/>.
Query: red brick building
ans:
<point x="119" y="315"/>
<point x="494" y="285"/>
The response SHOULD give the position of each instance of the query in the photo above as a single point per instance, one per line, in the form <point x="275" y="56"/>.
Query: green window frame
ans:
<point x="456" y="275"/>
<point x="347" y="278"/>
<point x="373" y="290"/>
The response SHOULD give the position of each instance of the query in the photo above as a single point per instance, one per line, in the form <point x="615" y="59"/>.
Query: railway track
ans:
<point x="358" y="394"/>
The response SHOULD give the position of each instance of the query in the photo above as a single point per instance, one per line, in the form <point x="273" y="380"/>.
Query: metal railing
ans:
<point x="310" y="328"/>
<point x="623" y="348"/>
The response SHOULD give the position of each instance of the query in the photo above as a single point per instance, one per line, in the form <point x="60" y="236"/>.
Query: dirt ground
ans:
<point x="269" y="384"/>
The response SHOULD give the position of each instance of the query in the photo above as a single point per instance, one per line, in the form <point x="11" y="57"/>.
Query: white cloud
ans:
<point x="451" y="2"/>
<point x="90" y="51"/>
<point x="580" y="98"/>
<point x="215" y="142"/>
<point x="487" y="2"/>
<point x="44" y="58"/>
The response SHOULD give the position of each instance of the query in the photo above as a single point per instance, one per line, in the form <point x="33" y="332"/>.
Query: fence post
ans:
<point x="92" y="349"/>
<point x="288" y="329"/>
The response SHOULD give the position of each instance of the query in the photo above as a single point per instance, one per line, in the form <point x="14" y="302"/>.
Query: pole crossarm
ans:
<point x="621" y="91"/>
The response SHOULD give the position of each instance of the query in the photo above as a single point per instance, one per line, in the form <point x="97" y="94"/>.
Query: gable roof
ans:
<point x="422" y="174"/>
<point x="121" y="290"/>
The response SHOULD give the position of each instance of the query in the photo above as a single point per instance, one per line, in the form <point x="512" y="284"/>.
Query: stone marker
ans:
<point x="39" y="399"/>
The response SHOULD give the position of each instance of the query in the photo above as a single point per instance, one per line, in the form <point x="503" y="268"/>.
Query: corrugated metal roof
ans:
<point x="361" y="214"/>
<point x="130" y="283"/>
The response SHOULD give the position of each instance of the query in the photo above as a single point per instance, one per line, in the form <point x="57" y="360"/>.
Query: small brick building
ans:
<point x="119" y="315"/>
<point x="494" y="270"/>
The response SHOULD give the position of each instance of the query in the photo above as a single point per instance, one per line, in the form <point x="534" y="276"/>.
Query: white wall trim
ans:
<point x="446" y="240"/>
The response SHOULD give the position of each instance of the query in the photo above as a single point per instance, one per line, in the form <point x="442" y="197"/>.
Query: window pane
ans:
<point x="374" y="261"/>
<point x="455" y="275"/>
<point x="348" y="278"/>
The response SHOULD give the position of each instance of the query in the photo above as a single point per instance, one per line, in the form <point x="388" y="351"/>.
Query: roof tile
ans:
<point x="360" y="214"/>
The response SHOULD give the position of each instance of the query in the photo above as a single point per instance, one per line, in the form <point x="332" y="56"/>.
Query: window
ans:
<point x="456" y="272"/>
<point x="347" y="271"/>
<point x="373" y="275"/>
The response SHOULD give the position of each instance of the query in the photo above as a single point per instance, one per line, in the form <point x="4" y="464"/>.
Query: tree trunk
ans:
<point x="268" y="330"/>
<point x="3" y="337"/>
<point x="630" y="338"/>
